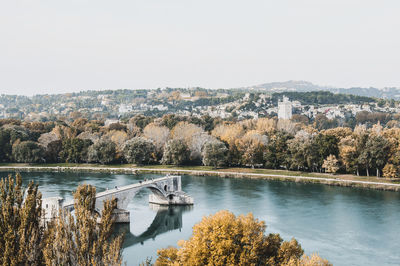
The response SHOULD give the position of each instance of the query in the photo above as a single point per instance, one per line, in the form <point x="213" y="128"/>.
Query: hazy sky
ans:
<point x="60" y="46"/>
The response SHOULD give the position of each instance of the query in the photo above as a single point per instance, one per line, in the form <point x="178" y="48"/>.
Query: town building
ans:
<point x="284" y="108"/>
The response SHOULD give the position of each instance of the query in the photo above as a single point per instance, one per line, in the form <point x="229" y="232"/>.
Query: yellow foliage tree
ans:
<point x="348" y="153"/>
<point x="390" y="171"/>
<point x="158" y="134"/>
<point x="251" y="147"/>
<point x="119" y="137"/>
<point x="224" y="239"/>
<point x="20" y="230"/>
<point x="266" y="125"/>
<point x="338" y="132"/>
<point x="78" y="240"/>
<point x="185" y="131"/>
<point x="313" y="260"/>
<point x="228" y="133"/>
<point x="331" y="164"/>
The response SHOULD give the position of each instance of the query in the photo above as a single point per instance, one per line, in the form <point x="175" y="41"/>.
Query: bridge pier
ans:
<point x="174" y="198"/>
<point x="121" y="216"/>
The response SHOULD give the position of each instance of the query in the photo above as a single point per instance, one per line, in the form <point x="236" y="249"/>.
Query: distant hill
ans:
<point x="305" y="86"/>
<point x="291" y="85"/>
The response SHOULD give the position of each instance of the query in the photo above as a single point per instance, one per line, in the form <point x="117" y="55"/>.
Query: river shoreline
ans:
<point x="332" y="181"/>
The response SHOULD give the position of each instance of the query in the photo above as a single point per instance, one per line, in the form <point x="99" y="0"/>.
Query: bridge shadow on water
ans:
<point x="168" y="218"/>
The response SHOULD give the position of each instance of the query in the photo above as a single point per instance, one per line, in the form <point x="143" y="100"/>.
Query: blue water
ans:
<point x="347" y="226"/>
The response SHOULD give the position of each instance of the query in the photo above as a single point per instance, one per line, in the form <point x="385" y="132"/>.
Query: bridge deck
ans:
<point x="124" y="188"/>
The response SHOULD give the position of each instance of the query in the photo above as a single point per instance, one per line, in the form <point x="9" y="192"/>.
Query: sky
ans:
<point x="54" y="46"/>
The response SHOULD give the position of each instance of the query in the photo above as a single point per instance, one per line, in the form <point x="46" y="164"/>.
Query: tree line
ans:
<point x="174" y="140"/>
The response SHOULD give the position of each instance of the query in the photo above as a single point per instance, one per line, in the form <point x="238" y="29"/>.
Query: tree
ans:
<point x="117" y="126"/>
<point x="140" y="121"/>
<point x="27" y="152"/>
<point x="390" y="171"/>
<point x="265" y="125"/>
<point x="224" y="239"/>
<point x="140" y="150"/>
<point x="5" y="145"/>
<point x="322" y="122"/>
<point x="158" y="134"/>
<point x="331" y="164"/>
<point x="338" y="132"/>
<point x="197" y="144"/>
<point x="361" y="137"/>
<point x="313" y="260"/>
<point x="286" y="126"/>
<point x="303" y="152"/>
<point x="176" y="152"/>
<point x="78" y="239"/>
<point x="276" y="152"/>
<point x="75" y="150"/>
<point x="251" y="147"/>
<point x="118" y="137"/>
<point x="103" y="151"/>
<point x="20" y="230"/>
<point x="348" y="155"/>
<point x="67" y="240"/>
<point x="326" y="145"/>
<point x="170" y="120"/>
<point x="376" y="153"/>
<point x="52" y="151"/>
<point x="228" y="133"/>
<point x="214" y="154"/>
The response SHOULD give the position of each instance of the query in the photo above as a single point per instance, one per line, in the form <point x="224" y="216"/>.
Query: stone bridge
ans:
<point x="165" y="191"/>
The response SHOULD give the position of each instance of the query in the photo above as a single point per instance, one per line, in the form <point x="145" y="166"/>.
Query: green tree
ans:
<point x="140" y="150"/>
<point x="74" y="150"/>
<point x="214" y="154"/>
<point x="376" y="153"/>
<point x="27" y="152"/>
<point x="224" y="239"/>
<point x="276" y="152"/>
<point x="103" y="151"/>
<point x="176" y="152"/>
<point x="5" y="145"/>
<point x="20" y="232"/>
<point x="303" y="152"/>
<point x="326" y="145"/>
<point x="52" y="151"/>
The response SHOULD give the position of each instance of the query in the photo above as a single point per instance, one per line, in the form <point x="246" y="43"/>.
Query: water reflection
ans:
<point x="168" y="218"/>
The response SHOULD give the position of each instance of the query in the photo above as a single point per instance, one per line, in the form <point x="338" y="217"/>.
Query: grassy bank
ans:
<point x="283" y="175"/>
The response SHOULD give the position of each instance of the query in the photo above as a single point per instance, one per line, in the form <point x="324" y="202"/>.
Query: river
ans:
<point x="347" y="226"/>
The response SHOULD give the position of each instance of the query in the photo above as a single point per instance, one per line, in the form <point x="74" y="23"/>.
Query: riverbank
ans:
<point x="282" y="175"/>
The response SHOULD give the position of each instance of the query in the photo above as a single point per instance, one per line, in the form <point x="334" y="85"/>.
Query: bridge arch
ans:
<point x="165" y="191"/>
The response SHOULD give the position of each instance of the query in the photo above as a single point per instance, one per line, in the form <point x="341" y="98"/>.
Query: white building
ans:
<point x="124" y="108"/>
<point x="110" y="121"/>
<point x="284" y="108"/>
